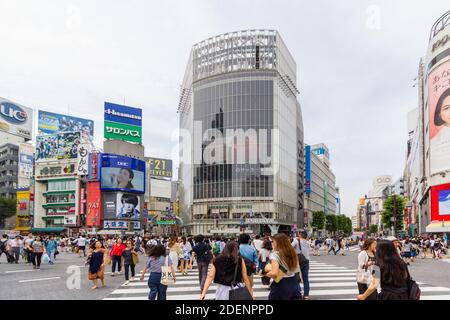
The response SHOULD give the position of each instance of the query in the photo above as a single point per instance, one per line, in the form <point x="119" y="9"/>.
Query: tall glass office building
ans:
<point x="241" y="136"/>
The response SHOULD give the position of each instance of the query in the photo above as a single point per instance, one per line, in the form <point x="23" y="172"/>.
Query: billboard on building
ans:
<point x="440" y="203"/>
<point x="308" y="169"/>
<point x="26" y="158"/>
<point x="51" y="123"/>
<point x="57" y="146"/>
<point x="439" y="123"/>
<point x="93" y="167"/>
<point x="120" y="173"/>
<point x="160" y="188"/>
<point x="16" y="119"/>
<point x="120" y="225"/>
<point x="160" y="167"/>
<point x="83" y="158"/>
<point x="123" y="123"/>
<point x="23" y="203"/>
<point x="127" y="206"/>
<point x="93" y="204"/>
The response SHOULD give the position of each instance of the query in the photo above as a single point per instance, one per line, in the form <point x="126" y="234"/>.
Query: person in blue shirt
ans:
<point x="50" y="246"/>
<point x="249" y="254"/>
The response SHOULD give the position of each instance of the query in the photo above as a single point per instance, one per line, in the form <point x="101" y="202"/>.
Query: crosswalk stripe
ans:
<point x="327" y="282"/>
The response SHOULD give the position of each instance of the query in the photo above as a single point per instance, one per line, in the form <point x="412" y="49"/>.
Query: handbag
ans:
<point x="281" y="272"/>
<point x="135" y="258"/>
<point x="167" y="277"/>
<point x="237" y="292"/>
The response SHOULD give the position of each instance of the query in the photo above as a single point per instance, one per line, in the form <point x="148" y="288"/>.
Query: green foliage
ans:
<point x="318" y="220"/>
<point x="373" y="229"/>
<point x="331" y="223"/>
<point x="394" y="206"/>
<point x="7" y="207"/>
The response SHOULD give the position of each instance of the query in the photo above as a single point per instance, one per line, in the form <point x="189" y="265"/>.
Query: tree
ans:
<point x="394" y="207"/>
<point x="373" y="229"/>
<point x="348" y="227"/>
<point x="318" y="220"/>
<point x="331" y="223"/>
<point x="7" y="208"/>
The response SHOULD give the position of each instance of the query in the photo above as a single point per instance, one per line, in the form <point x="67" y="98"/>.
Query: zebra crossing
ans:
<point x="327" y="282"/>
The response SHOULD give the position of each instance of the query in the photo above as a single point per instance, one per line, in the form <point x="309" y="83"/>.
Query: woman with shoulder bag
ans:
<point x="129" y="261"/>
<point x="157" y="260"/>
<point x="227" y="271"/>
<point x="282" y="269"/>
<point x="366" y="261"/>
<point x="96" y="261"/>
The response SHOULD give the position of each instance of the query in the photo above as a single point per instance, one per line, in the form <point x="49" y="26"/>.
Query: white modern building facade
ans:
<point x="241" y="136"/>
<point x="321" y="193"/>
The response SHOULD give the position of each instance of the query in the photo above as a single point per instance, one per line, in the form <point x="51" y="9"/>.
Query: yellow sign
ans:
<point x="362" y="201"/>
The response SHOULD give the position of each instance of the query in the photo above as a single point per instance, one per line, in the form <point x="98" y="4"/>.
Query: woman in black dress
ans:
<point x="97" y="261"/>
<point x="390" y="272"/>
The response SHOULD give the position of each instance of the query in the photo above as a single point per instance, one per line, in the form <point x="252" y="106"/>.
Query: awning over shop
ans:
<point x="438" y="226"/>
<point x="47" y="230"/>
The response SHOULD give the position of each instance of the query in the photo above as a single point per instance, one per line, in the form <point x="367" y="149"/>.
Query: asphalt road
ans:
<point x="332" y="277"/>
<point x="67" y="279"/>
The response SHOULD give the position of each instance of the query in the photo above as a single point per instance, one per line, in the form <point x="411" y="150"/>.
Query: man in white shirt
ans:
<point x="15" y="245"/>
<point x="27" y="245"/>
<point x="81" y="243"/>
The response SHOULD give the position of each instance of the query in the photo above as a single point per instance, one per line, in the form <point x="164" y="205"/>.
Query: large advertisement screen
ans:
<point x="160" y="167"/>
<point x="23" y="203"/>
<point x="123" y="123"/>
<point x="440" y="203"/>
<point x="439" y="126"/>
<point x="119" y="173"/>
<point x="128" y="206"/>
<point x="57" y="146"/>
<point x="16" y="119"/>
<point x="51" y="123"/>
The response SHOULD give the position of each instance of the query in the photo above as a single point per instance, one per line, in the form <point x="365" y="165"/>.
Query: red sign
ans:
<point x="439" y="194"/>
<point x="93" y="207"/>
<point x="94" y="167"/>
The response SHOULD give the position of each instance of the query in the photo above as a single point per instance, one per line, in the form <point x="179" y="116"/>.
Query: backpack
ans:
<point x="216" y="248"/>
<point x="2" y="246"/>
<point x="250" y="266"/>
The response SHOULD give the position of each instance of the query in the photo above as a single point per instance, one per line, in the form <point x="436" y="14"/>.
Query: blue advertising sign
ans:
<point x="50" y="123"/>
<point x="123" y="114"/>
<point x="120" y="173"/>
<point x="444" y="202"/>
<point x="308" y="169"/>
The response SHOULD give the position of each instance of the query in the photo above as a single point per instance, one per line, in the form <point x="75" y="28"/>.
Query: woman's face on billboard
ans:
<point x="445" y="111"/>
<point x="123" y="178"/>
<point x="128" y="207"/>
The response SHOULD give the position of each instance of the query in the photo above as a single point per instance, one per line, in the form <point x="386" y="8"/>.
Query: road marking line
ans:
<point x="436" y="297"/>
<point x="434" y="289"/>
<point x="40" y="279"/>
<point x="17" y="271"/>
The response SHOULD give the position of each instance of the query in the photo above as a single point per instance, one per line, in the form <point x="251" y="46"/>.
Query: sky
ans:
<point x="356" y="65"/>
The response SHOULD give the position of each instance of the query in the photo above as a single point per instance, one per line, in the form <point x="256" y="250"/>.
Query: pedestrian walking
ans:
<point x="304" y="256"/>
<point x="97" y="261"/>
<point x="174" y="251"/>
<point x="264" y="258"/>
<point x="51" y="247"/>
<point x="186" y="247"/>
<point x="26" y="247"/>
<point x="155" y="263"/>
<point x="227" y="272"/>
<point x="15" y="245"/>
<point x="116" y="256"/>
<point x="130" y="256"/>
<point x="366" y="262"/>
<point x="81" y="245"/>
<point x="202" y="253"/>
<point x="248" y="253"/>
<point x="282" y="269"/>
<point x="37" y="248"/>
<point x="331" y="244"/>
<point x="390" y="273"/>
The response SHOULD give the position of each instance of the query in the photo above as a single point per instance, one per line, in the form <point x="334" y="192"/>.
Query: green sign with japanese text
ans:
<point x="121" y="131"/>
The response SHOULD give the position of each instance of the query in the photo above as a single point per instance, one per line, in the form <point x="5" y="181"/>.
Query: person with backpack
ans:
<point x="366" y="262"/>
<point x="392" y="275"/>
<point x="202" y="253"/>
<point x="3" y="245"/>
<point x="216" y="248"/>
<point x="248" y="253"/>
<point x="263" y="258"/>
